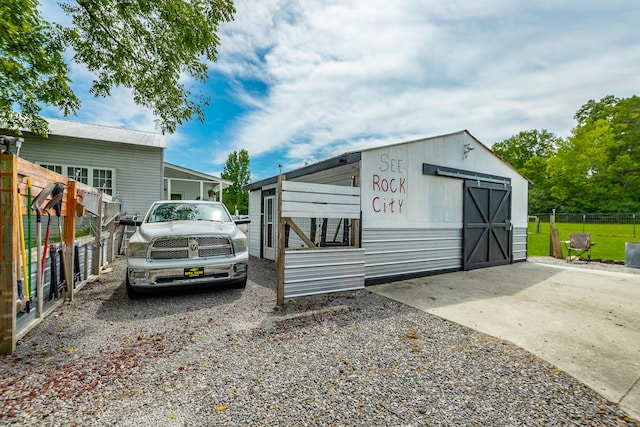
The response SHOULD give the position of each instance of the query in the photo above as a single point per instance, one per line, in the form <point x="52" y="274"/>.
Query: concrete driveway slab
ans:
<point x="584" y="321"/>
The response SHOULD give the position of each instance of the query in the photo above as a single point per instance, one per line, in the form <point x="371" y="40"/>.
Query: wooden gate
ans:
<point x="487" y="230"/>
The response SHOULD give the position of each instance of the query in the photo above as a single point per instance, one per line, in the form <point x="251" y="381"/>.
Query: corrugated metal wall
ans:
<point x="393" y="252"/>
<point x="322" y="270"/>
<point x="309" y="272"/>
<point x="519" y="248"/>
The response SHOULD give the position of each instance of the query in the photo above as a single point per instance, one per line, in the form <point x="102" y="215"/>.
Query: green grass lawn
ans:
<point x="610" y="239"/>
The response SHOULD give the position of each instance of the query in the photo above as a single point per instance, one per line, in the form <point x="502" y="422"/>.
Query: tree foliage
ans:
<point x="595" y="169"/>
<point x="529" y="152"/>
<point x="32" y="69"/>
<point x="236" y="170"/>
<point x="151" y="47"/>
<point x="598" y="170"/>
<point x="577" y="172"/>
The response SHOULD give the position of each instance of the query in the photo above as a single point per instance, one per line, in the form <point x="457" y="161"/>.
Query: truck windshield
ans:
<point x="163" y="212"/>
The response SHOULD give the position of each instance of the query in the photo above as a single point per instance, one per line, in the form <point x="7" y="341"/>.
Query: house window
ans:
<point x="79" y="174"/>
<point x="55" y="168"/>
<point x="103" y="180"/>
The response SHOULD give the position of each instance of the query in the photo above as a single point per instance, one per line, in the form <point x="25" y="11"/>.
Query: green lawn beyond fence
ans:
<point x="610" y="239"/>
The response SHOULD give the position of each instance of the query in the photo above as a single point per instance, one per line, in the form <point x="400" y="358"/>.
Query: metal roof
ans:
<point x="200" y="175"/>
<point x="105" y="133"/>
<point x="341" y="160"/>
<point x="355" y="156"/>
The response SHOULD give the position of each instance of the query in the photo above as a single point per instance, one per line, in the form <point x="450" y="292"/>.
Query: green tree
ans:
<point x="529" y="152"/>
<point x="148" y="46"/>
<point x="597" y="169"/>
<point x="623" y="170"/>
<point x="236" y="170"/>
<point x="577" y="171"/>
<point x="597" y="110"/>
<point x="32" y="69"/>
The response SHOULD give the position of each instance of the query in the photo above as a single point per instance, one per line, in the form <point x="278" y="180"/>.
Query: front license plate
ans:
<point x="194" y="272"/>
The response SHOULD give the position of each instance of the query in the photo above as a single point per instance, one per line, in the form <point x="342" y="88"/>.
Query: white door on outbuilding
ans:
<point x="269" y="227"/>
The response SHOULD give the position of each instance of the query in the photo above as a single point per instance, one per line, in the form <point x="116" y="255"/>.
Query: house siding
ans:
<point x="138" y="169"/>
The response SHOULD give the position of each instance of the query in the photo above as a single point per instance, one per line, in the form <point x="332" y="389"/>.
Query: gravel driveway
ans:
<point x="229" y="357"/>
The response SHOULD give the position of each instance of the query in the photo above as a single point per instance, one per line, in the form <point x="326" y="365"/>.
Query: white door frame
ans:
<point x="269" y="227"/>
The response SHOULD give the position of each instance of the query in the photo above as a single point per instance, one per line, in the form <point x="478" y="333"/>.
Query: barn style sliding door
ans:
<point x="487" y="231"/>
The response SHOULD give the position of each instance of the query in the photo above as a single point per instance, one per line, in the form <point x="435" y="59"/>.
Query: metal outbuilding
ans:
<point x="427" y="206"/>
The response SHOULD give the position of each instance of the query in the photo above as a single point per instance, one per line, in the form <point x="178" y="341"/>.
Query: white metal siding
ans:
<point x="392" y="252"/>
<point x="396" y="193"/>
<point x="305" y="200"/>
<point x="309" y="272"/>
<point x="255" y="206"/>
<point x="519" y="249"/>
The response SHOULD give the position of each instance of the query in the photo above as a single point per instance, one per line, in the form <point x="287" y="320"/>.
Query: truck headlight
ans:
<point x="240" y="245"/>
<point x="137" y="250"/>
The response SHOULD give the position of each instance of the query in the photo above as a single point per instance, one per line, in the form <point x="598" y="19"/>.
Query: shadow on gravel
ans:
<point x="263" y="272"/>
<point x="335" y="310"/>
<point x="118" y="307"/>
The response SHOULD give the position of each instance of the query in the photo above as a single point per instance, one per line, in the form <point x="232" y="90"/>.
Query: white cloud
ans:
<point x="343" y="75"/>
<point x="351" y="74"/>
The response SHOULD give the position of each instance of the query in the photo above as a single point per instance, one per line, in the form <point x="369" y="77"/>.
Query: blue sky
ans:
<point x="298" y="81"/>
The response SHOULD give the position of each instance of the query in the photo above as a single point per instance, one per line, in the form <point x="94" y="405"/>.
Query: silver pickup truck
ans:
<point x="185" y="243"/>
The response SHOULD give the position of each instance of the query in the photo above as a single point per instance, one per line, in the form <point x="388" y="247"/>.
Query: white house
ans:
<point x="127" y="164"/>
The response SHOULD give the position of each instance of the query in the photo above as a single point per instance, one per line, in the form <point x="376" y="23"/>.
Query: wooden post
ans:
<point x="555" y="242"/>
<point x="68" y="236"/>
<point x="355" y="224"/>
<point x="96" y="254"/>
<point x="280" y="251"/>
<point x="112" y="231"/>
<point x="8" y="251"/>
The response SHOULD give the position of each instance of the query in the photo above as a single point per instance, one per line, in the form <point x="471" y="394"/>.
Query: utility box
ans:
<point x="632" y="254"/>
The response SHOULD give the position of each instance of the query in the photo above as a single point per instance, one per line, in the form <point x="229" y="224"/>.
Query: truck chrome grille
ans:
<point x="190" y="247"/>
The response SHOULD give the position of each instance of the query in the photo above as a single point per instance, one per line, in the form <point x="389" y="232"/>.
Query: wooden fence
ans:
<point x="21" y="181"/>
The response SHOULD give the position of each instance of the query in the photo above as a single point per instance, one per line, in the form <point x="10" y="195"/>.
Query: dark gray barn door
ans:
<point x="487" y="225"/>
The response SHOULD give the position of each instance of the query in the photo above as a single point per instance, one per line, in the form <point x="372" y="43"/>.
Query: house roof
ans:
<point x="354" y="157"/>
<point x="341" y="160"/>
<point x="195" y="174"/>
<point x="105" y="133"/>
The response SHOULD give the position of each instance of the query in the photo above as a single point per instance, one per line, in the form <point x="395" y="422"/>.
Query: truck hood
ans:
<point x="148" y="231"/>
